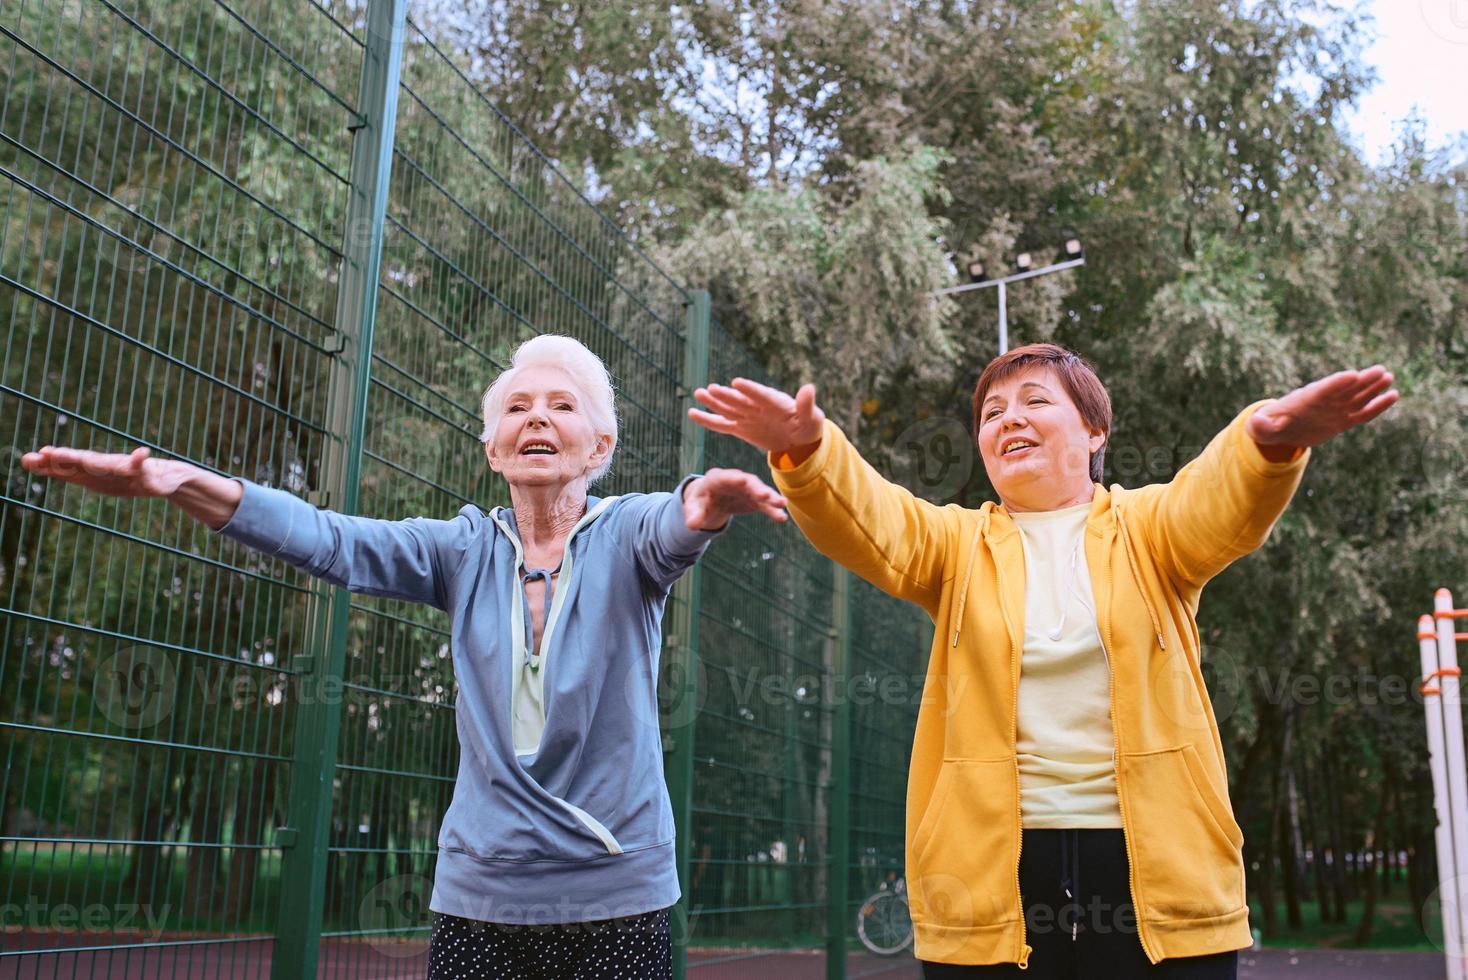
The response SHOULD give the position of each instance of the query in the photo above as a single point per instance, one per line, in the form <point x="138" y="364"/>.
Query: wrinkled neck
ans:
<point x="546" y="515"/>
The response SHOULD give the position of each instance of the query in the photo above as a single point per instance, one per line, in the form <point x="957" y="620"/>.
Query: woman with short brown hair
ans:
<point x="1064" y="706"/>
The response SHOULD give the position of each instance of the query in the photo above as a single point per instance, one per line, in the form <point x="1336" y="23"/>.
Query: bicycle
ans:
<point x="884" y="922"/>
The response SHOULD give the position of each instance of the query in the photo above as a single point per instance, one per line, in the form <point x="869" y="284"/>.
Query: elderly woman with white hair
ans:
<point x="560" y="816"/>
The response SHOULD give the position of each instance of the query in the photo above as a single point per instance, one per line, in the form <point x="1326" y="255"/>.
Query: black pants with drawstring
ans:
<point x="1079" y="917"/>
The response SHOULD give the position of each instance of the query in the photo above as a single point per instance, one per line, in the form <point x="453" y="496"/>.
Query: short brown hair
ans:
<point x="1077" y="377"/>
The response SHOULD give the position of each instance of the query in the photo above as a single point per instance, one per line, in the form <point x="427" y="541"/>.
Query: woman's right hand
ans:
<point x="764" y="417"/>
<point x="115" y="474"/>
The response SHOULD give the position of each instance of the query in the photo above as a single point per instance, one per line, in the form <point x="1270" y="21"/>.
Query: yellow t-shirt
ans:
<point x="1067" y="772"/>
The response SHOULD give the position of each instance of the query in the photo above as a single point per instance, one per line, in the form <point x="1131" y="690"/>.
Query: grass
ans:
<point x="80" y="877"/>
<point x="1398" y="926"/>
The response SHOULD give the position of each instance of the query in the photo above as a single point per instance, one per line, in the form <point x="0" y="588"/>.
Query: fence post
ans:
<point x="838" y="877"/>
<point x="306" y="837"/>
<point x="1454" y="893"/>
<point x="1447" y="858"/>
<point x="682" y="652"/>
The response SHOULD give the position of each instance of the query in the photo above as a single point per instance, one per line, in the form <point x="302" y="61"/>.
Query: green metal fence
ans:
<point x="293" y="242"/>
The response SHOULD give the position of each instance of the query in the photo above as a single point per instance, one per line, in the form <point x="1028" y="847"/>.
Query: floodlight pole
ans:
<point x="1002" y="283"/>
<point x="1003" y="320"/>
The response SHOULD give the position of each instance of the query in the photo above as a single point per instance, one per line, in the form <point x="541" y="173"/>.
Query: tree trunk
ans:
<point x="206" y="819"/>
<point x="1338" y="852"/>
<point x="1293" y="852"/>
<point x="252" y="804"/>
<point x="1250" y="780"/>
<point x="16" y="579"/>
<point x="1273" y="845"/>
<point x="1265" y="890"/>
<point x="402" y="836"/>
<point x="156" y="815"/>
<point x="1377" y="832"/>
<point x="1419" y="842"/>
<point x="1317" y="842"/>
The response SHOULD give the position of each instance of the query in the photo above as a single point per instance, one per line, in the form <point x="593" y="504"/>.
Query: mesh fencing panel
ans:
<point x="173" y="231"/>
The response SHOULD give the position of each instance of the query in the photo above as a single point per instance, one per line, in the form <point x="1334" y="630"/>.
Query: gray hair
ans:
<point x="587" y="372"/>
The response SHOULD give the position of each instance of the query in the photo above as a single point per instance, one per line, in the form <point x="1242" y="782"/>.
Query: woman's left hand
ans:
<point x="718" y="495"/>
<point x="1323" y="409"/>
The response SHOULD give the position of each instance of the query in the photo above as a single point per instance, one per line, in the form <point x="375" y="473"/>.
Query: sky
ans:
<point x="1421" y="59"/>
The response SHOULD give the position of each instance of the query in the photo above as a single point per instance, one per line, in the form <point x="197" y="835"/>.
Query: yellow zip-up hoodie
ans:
<point x="1149" y="551"/>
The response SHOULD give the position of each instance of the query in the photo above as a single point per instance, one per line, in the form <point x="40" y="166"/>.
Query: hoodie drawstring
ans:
<point x="1070" y="873"/>
<point x="532" y="655"/>
<point x="1126" y="543"/>
<point x="968" y="571"/>
<point x="1131" y="558"/>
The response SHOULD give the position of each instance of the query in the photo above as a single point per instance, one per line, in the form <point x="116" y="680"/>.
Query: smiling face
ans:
<point x="1035" y="445"/>
<point x="544" y="436"/>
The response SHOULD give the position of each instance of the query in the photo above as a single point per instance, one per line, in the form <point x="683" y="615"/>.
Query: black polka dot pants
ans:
<point x="637" y="947"/>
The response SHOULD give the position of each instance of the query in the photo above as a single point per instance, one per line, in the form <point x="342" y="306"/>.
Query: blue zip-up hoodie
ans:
<point x="580" y="828"/>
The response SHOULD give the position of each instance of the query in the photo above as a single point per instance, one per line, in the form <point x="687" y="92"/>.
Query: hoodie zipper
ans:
<point x="1015" y="654"/>
<point x="1106" y="642"/>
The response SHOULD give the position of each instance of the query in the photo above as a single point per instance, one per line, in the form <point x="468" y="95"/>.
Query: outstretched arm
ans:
<point x="710" y="500"/>
<point x="202" y="495"/>
<point x="1222" y="505"/>
<point x="879" y="530"/>
<point x="674" y="529"/>
<point x="1321" y="410"/>
<point x="764" y="417"/>
<point x="401" y="559"/>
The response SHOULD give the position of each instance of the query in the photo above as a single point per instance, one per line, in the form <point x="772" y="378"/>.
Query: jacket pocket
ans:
<point x="964" y="851"/>
<point x="1186" y="846"/>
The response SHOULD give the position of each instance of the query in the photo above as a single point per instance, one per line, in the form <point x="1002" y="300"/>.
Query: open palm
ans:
<point x="115" y="474"/>
<point x="719" y="494"/>
<point x="1324" y="408"/>
<point x="766" y="418"/>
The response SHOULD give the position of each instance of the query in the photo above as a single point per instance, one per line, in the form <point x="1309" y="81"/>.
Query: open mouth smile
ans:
<point x="1017" y="447"/>
<point x="538" y="447"/>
